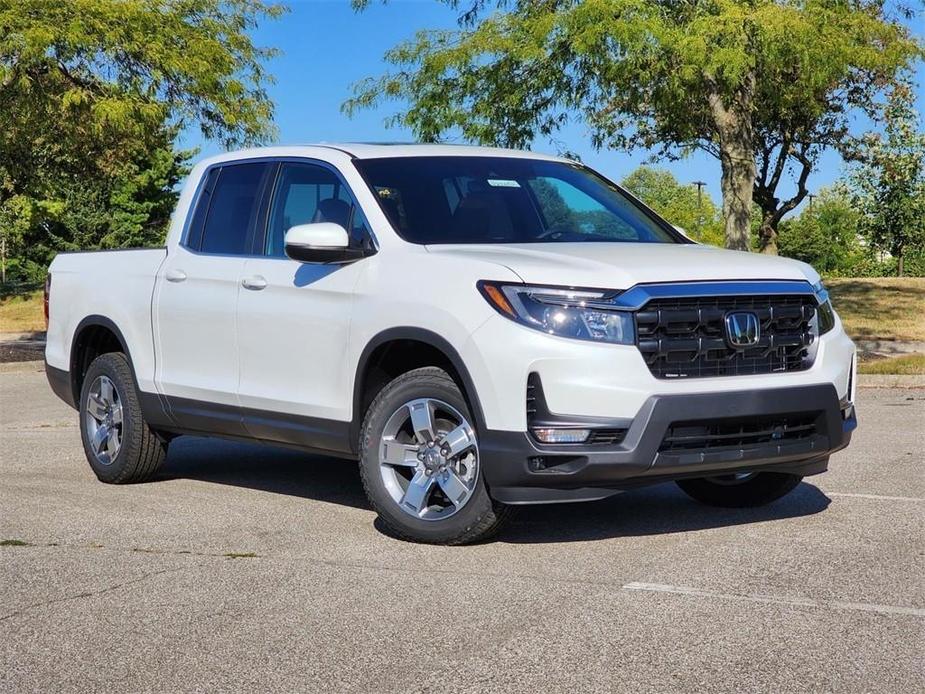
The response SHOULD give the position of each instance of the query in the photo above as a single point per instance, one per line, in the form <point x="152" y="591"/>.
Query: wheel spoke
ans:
<point x="117" y="414"/>
<point x="422" y="420"/>
<point x="458" y="440"/>
<point x="395" y="453"/>
<point x="106" y="390"/>
<point x="418" y="492"/>
<point x="112" y="443"/>
<point x="455" y="489"/>
<point x="96" y="408"/>
<point x="99" y="438"/>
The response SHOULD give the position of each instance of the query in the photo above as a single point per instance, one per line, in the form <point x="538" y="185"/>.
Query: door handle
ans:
<point x="175" y="275"/>
<point x="256" y="283"/>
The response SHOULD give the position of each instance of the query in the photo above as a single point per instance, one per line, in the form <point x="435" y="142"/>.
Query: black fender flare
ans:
<point x="429" y="338"/>
<point x="94" y="321"/>
<point x="152" y="405"/>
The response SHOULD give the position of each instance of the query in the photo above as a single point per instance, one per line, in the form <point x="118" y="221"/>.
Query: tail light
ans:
<point x="47" y="295"/>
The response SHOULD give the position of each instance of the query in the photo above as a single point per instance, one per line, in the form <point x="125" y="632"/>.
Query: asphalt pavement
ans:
<point x="247" y="568"/>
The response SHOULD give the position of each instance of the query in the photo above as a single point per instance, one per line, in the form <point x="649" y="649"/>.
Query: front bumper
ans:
<point x="519" y="470"/>
<point x="587" y="379"/>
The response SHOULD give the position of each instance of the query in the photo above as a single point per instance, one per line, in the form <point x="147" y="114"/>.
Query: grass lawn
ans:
<point x="884" y="308"/>
<point x="22" y="313"/>
<point x="909" y="365"/>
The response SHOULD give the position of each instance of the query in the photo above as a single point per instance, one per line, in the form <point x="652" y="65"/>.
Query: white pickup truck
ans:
<point x="480" y="328"/>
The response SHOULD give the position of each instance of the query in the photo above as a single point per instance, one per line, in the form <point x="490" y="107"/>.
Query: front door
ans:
<point x="294" y="318"/>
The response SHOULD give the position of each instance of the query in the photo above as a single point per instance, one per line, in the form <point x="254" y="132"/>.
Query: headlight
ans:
<point x="583" y="314"/>
<point x="825" y="314"/>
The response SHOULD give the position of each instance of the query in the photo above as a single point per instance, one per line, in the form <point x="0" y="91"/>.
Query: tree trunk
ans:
<point x="767" y="234"/>
<point x="899" y="263"/>
<point x="737" y="159"/>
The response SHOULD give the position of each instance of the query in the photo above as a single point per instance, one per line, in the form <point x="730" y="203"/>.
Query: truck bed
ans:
<point x="117" y="284"/>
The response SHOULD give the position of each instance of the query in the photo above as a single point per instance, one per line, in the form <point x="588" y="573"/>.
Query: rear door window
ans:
<point x="233" y="209"/>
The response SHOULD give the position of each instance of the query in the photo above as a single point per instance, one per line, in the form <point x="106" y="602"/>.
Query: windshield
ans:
<point x="433" y="200"/>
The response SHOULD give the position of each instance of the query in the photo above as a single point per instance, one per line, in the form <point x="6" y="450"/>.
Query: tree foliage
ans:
<point x="825" y="235"/>
<point x="762" y="85"/>
<point x="889" y="182"/>
<point x="681" y="205"/>
<point x="77" y="206"/>
<point x="92" y="93"/>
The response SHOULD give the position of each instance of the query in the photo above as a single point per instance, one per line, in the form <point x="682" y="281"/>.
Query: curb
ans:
<point x="34" y="336"/>
<point x="890" y="381"/>
<point x="889" y="348"/>
<point x="22" y="367"/>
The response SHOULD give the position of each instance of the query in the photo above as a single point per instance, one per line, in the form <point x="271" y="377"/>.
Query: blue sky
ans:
<point x="326" y="47"/>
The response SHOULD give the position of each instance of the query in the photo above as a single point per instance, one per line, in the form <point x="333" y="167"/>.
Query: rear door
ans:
<point x="294" y="318"/>
<point x="197" y="295"/>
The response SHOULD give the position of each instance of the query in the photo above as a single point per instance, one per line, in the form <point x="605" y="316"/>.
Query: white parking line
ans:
<point x="876" y="497"/>
<point x="776" y="599"/>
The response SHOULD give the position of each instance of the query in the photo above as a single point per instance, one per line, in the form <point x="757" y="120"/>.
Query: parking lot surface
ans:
<point x="246" y="568"/>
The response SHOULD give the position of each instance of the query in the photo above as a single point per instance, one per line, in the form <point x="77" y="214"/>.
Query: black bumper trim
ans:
<point x="520" y="470"/>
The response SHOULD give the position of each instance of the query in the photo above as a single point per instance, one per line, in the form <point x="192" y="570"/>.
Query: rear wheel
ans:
<point x="740" y="490"/>
<point x="118" y="443"/>
<point x="419" y="460"/>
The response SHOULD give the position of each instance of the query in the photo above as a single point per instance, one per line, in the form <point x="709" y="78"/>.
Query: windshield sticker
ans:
<point x="503" y="183"/>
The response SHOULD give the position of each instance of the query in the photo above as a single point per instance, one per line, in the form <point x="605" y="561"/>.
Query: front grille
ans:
<point x="738" y="433"/>
<point x="686" y="338"/>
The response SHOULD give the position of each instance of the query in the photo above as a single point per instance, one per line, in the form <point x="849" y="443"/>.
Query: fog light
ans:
<point x="562" y="435"/>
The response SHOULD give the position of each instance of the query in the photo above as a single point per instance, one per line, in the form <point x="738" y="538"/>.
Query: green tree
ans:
<point x="825" y="235"/>
<point x="87" y="207"/>
<point x="762" y="85"/>
<point x="889" y="182"/>
<point x="681" y="205"/>
<point x="92" y="93"/>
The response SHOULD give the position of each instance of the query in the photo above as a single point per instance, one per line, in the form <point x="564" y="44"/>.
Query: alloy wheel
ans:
<point x="429" y="459"/>
<point x="103" y="420"/>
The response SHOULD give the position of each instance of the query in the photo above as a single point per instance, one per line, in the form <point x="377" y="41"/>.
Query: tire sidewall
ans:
<point x="421" y="383"/>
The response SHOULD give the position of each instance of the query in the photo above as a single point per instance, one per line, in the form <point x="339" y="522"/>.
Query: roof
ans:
<point x="381" y="150"/>
<point x="366" y="150"/>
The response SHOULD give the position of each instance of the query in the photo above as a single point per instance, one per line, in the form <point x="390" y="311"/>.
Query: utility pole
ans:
<point x="700" y="185"/>
<point x="811" y="198"/>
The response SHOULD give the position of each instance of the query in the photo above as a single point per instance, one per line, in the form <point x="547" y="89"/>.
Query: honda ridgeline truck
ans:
<point x="479" y="328"/>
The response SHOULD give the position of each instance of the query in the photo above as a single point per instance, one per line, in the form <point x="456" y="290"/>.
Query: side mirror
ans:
<point x="321" y="242"/>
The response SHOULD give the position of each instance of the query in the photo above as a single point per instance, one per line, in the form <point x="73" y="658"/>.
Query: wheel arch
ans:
<point x="94" y="335"/>
<point x="366" y="385"/>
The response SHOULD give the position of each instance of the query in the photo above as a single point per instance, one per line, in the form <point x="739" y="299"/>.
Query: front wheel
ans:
<point x="740" y="490"/>
<point x="420" y="465"/>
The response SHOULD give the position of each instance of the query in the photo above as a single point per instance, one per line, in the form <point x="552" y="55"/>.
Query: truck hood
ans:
<point x="623" y="265"/>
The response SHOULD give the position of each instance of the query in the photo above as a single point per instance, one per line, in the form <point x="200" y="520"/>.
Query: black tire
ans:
<point x="761" y="489"/>
<point x="141" y="452"/>
<point x="479" y="518"/>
